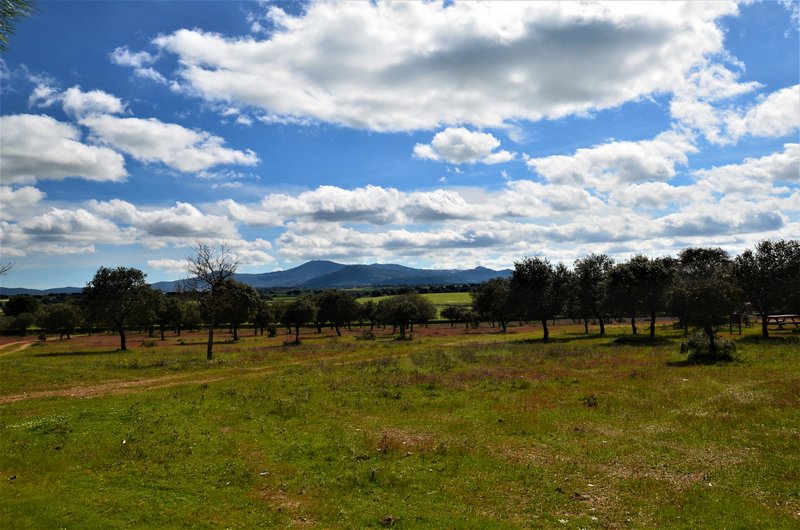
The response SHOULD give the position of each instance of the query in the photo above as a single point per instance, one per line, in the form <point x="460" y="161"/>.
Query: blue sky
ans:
<point x="438" y="135"/>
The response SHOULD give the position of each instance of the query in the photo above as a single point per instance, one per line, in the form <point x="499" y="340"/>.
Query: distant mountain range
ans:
<point x="328" y="274"/>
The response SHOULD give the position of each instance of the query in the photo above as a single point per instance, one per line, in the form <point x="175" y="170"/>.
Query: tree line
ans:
<point x="702" y="287"/>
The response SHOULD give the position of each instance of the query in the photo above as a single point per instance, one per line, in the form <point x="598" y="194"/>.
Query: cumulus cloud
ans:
<point x="19" y="201"/>
<point x="182" y="221"/>
<point x="754" y="175"/>
<point x="608" y="165"/>
<point x="461" y="146"/>
<point x="151" y="140"/>
<point x="43" y="96"/>
<point x="139" y="61"/>
<point x="168" y="264"/>
<point x="60" y="231"/>
<point x="394" y="66"/>
<point x="78" y="104"/>
<point x="37" y="147"/>
<point x="75" y="102"/>
<point x="776" y="115"/>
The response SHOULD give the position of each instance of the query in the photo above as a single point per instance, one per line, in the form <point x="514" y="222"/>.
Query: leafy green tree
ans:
<point x="22" y="303"/>
<point x="426" y="310"/>
<point x="768" y="277"/>
<point x="236" y="303"/>
<point x="623" y="295"/>
<point x="20" y="323"/>
<point x="368" y="313"/>
<point x="337" y="307"/>
<point x="10" y="12"/>
<point x="116" y="295"/>
<point x="208" y="268"/>
<point x="455" y="313"/>
<point x="493" y="302"/>
<point x="641" y="284"/>
<point x="400" y="311"/>
<point x="168" y="312"/>
<point x="591" y="283"/>
<point x="298" y="313"/>
<point x="60" y="318"/>
<point x="707" y="286"/>
<point x="263" y="317"/>
<point x="540" y="290"/>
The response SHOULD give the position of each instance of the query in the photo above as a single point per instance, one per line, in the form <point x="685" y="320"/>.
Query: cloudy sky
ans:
<point x="431" y="134"/>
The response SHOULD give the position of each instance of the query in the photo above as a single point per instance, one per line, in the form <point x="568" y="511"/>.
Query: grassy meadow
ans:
<point x="454" y="429"/>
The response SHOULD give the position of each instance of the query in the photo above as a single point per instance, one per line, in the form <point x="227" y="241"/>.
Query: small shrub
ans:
<point x="366" y="335"/>
<point x="148" y="344"/>
<point x="272" y="330"/>
<point x="698" y="348"/>
<point x="589" y="401"/>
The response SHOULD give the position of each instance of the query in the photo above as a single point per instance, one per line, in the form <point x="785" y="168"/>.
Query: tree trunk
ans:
<point x="602" y="323"/>
<point x="586" y="326"/>
<point x="503" y="325"/>
<point x="122" y="346"/>
<point x="633" y="323"/>
<point x="162" y="332"/>
<point x="653" y="325"/>
<point x="764" y="326"/>
<point x="546" y="331"/>
<point x="712" y="341"/>
<point x="336" y="327"/>
<point x="210" y="348"/>
<point x="235" y="332"/>
<point x="297" y="334"/>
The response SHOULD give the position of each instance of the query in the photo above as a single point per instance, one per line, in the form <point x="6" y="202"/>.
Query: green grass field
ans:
<point x="453" y="429"/>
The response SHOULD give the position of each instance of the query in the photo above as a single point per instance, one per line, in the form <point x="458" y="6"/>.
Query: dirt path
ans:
<point x="114" y="388"/>
<point x="24" y="344"/>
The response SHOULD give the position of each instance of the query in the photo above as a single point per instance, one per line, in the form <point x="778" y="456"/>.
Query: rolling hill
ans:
<point x="320" y="274"/>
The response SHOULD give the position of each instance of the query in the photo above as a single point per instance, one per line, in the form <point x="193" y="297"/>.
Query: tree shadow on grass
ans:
<point x="560" y="339"/>
<point x="77" y="353"/>
<point x="703" y="361"/>
<point x="639" y="340"/>
<point x="773" y="340"/>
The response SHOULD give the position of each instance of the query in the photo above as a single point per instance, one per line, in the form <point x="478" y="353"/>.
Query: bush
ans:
<point x="698" y="347"/>
<point x="366" y="335"/>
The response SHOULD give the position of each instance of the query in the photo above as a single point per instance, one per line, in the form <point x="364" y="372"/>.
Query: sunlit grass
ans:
<point x="454" y="429"/>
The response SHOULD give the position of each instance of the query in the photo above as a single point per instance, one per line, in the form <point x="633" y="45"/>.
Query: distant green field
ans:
<point x="439" y="299"/>
<point x="454" y="429"/>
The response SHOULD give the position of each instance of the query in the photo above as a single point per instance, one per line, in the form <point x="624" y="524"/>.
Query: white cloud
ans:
<point x="20" y="201"/>
<point x="776" y="115"/>
<point x="461" y="146"/>
<point x="151" y="74"/>
<point x="250" y="216"/>
<point x="75" y="102"/>
<point x="394" y="66"/>
<point x="754" y="175"/>
<point x="151" y="140"/>
<point x="654" y="195"/>
<point x="606" y="166"/>
<point x="772" y="116"/>
<point x="139" y="61"/>
<point x="79" y="104"/>
<point x="44" y="96"/>
<point x="60" y="231"/>
<point x="123" y="56"/>
<point x="182" y="221"/>
<point x="168" y="264"/>
<point x="37" y="147"/>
